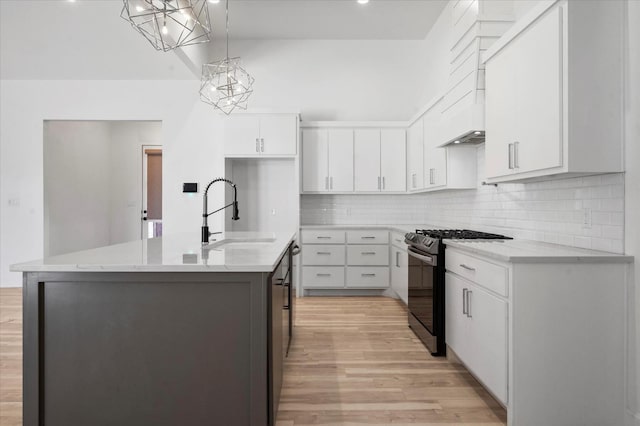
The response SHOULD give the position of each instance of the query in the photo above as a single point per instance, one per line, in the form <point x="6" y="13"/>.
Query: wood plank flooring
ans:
<point x="353" y="361"/>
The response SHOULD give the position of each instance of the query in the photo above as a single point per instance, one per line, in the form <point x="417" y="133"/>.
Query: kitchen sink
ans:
<point x="240" y="242"/>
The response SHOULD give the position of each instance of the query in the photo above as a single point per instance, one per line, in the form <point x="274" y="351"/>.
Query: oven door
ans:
<point x="422" y="280"/>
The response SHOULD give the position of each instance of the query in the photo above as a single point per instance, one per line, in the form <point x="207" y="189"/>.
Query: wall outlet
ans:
<point x="586" y="218"/>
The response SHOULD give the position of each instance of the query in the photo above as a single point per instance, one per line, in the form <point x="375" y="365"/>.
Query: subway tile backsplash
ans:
<point x="553" y="211"/>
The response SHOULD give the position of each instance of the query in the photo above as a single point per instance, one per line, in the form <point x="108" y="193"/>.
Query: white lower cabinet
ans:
<point x="476" y="330"/>
<point x="345" y="258"/>
<point x="544" y="336"/>
<point x="400" y="273"/>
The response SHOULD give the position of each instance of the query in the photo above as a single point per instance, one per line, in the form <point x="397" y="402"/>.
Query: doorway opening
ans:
<point x="95" y="181"/>
<point x="151" y="191"/>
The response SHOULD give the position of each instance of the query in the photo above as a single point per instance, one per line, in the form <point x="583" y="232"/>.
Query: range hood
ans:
<point x="476" y="26"/>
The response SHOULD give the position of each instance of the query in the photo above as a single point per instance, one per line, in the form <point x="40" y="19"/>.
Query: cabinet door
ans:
<point x="399" y="273"/>
<point x="415" y="152"/>
<point x="393" y="160"/>
<point x="367" y="160"/>
<point x="488" y="338"/>
<point x="341" y="160"/>
<point x="500" y="111"/>
<point x="278" y="134"/>
<point x="315" y="152"/>
<point x="435" y="171"/>
<point x="456" y="321"/>
<point x="242" y="135"/>
<point x="539" y="95"/>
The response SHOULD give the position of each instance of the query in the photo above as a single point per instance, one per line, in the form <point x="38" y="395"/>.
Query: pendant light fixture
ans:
<point x="168" y="24"/>
<point x="225" y="84"/>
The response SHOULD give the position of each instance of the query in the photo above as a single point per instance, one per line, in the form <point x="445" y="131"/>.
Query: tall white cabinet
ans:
<point x="327" y="160"/>
<point x="554" y="93"/>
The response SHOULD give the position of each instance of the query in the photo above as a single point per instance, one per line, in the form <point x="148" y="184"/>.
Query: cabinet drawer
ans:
<point x="397" y="239"/>
<point x="489" y="275"/>
<point x="365" y="255"/>
<point x="316" y="236"/>
<point x="323" y="277"/>
<point x="323" y="254"/>
<point x="368" y="277"/>
<point x="373" y="236"/>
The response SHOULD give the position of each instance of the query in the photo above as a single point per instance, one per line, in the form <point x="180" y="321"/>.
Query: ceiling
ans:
<point x="327" y="19"/>
<point x="87" y="39"/>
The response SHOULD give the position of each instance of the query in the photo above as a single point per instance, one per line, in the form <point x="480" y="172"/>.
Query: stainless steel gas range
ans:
<point x="426" y="282"/>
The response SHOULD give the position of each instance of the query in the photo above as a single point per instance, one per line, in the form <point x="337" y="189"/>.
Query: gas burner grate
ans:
<point x="460" y="234"/>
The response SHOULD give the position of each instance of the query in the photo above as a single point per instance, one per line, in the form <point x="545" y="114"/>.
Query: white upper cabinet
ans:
<point x="380" y="160"/>
<point x="341" y="160"/>
<point x="252" y="135"/>
<point x="367" y="160"/>
<point x="327" y="160"/>
<point x="393" y="159"/>
<point x="415" y="153"/>
<point x="554" y="93"/>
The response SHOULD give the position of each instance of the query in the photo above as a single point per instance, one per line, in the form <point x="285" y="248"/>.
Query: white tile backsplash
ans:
<point x="549" y="210"/>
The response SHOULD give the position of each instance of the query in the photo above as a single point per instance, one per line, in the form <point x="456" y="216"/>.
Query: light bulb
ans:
<point x="456" y="141"/>
<point x="213" y="88"/>
<point x="139" y="9"/>
<point x="164" y="29"/>
<point x="363" y="1"/>
<point x="214" y="1"/>
<point x="477" y="133"/>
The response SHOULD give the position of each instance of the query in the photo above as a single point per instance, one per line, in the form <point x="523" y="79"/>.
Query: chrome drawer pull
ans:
<point x="323" y="275"/>
<point x="323" y="238"/>
<point x="368" y="238"/>
<point x="468" y="268"/>
<point x="469" y="292"/>
<point x="368" y="253"/>
<point x="464" y="301"/>
<point x="368" y="275"/>
<point x="324" y="252"/>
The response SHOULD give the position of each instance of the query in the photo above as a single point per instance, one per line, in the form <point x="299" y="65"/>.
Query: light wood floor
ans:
<point x="353" y="361"/>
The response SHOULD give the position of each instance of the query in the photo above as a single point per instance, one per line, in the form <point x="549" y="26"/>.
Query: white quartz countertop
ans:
<point x="232" y="252"/>
<point x="404" y="228"/>
<point x="525" y="251"/>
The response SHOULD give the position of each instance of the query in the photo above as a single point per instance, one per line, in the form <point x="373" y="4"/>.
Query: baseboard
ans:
<point x="632" y="419"/>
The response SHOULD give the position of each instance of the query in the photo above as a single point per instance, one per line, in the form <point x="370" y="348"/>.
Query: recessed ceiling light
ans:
<point x="214" y="1"/>
<point x="477" y="133"/>
<point x="456" y="141"/>
<point x="363" y="1"/>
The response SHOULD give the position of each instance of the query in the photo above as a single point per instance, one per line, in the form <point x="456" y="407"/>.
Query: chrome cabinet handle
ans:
<point x="368" y="253"/>
<point x="468" y="268"/>
<point x="432" y="177"/>
<point x="257" y="145"/>
<point x="330" y="182"/>
<point x="383" y="183"/>
<point x="397" y="259"/>
<point x="262" y="145"/>
<point x="326" y="182"/>
<point x="464" y="301"/>
<point x="413" y="180"/>
<point x="516" y="155"/>
<point x="323" y="275"/>
<point x="469" y="303"/>
<point x="368" y="275"/>
<point x="322" y="237"/>
<point x="324" y="252"/>
<point x="379" y="186"/>
<point x="368" y="238"/>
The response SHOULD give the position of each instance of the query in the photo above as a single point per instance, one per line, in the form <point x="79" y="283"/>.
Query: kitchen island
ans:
<point x="156" y="332"/>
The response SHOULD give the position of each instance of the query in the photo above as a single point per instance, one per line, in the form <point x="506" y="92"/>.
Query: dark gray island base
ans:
<point x="152" y="348"/>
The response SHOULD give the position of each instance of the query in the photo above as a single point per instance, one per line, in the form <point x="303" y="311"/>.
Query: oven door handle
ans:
<point x="430" y="260"/>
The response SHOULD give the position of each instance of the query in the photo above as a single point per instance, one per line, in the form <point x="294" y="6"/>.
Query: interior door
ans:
<point x="367" y="160"/>
<point x="278" y="134"/>
<point x="151" y="219"/>
<point x="315" y="152"/>
<point x="242" y="133"/>
<point x="393" y="160"/>
<point x="539" y="94"/>
<point x="341" y="160"/>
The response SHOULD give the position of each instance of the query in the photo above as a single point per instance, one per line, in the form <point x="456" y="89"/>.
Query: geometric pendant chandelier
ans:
<point x="225" y="84"/>
<point x="168" y="24"/>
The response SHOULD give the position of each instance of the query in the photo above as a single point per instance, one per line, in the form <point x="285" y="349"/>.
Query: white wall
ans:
<point x="76" y="186"/>
<point x="190" y="135"/>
